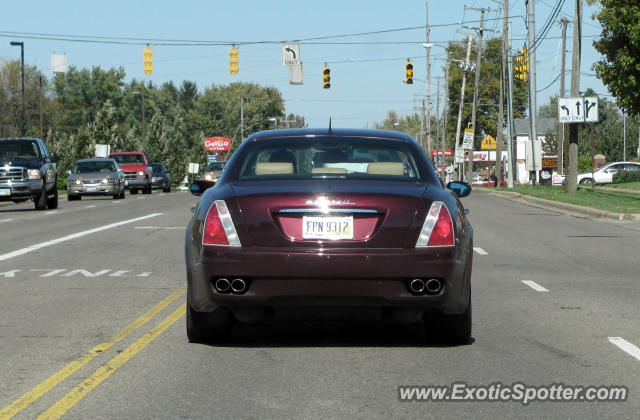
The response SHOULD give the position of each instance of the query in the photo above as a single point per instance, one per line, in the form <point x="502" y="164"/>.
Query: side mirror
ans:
<point x="120" y="170"/>
<point x="200" y="186"/>
<point x="68" y="172"/>
<point x="462" y="189"/>
<point x="54" y="157"/>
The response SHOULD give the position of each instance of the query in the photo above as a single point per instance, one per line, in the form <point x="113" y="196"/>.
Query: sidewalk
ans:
<point x="564" y="207"/>
<point x="624" y="190"/>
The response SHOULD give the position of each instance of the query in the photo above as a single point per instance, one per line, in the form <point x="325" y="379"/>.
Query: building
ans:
<point x="522" y="149"/>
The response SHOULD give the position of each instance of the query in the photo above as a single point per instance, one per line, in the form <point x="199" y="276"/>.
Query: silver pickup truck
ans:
<point x="28" y="171"/>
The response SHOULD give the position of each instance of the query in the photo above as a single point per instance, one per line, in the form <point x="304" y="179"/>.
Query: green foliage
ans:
<point x="82" y="108"/>
<point x="584" y="163"/>
<point x="624" y="177"/>
<point x="620" y="46"/>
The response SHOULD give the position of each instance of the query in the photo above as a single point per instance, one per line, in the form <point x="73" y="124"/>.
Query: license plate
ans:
<point x="5" y="192"/>
<point x="91" y="189"/>
<point x="327" y="227"/>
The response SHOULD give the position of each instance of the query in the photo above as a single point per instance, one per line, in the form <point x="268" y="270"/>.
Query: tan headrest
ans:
<point x="274" y="168"/>
<point x="328" y="171"/>
<point x="385" y="168"/>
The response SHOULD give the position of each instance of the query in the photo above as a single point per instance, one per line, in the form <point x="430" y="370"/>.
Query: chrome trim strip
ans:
<point x="317" y="210"/>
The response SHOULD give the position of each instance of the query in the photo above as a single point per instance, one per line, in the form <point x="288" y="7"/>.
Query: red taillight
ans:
<point x="213" y="231"/>
<point x="437" y="229"/>
<point x="442" y="234"/>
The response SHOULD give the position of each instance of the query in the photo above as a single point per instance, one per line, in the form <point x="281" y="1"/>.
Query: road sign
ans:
<point x="488" y="143"/>
<point x="577" y="110"/>
<point x="194" y="168"/>
<point x="459" y="156"/>
<point x="217" y="144"/>
<point x="467" y="139"/>
<point x="212" y="158"/>
<point x="290" y="55"/>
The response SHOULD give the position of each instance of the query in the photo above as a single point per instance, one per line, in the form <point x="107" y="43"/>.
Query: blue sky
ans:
<point x="366" y="75"/>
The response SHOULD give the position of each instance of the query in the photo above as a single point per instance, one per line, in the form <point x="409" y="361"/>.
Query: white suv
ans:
<point x="604" y="174"/>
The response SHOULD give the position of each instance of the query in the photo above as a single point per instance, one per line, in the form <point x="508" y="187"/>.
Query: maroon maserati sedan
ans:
<point x="317" y="224"/>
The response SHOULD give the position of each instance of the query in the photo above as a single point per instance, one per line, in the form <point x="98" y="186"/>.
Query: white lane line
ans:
<point x="117" y="202"/>
<point x="89" y="207"/>
<point x="6" y="220"/>
<point x="535" y="286"/>
<point x="480" y="251"/>
<point x="161" y="227"/>
<point x="72" y="236"/>
<point x="51" y="212"/>
<point x="626" y="346"/>
<point x="145" y="274"/>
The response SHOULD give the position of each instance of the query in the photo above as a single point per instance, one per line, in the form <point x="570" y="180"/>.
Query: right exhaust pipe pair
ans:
<point x="237" y="286"/>
<point x="421" y="287"/>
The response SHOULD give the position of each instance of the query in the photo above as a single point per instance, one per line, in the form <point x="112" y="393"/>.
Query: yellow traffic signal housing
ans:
<point x="233" y="60"/>
<point x="522" y="65"/>
<point x="148" y="60"/>
<point x="326" y="77"/>
<point x="408" y="72"/>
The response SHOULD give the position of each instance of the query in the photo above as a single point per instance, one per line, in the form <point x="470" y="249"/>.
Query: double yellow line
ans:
<point x="81" y="390"/>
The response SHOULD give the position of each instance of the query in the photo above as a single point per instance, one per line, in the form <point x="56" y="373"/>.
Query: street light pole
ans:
<point x="22" y="117"/>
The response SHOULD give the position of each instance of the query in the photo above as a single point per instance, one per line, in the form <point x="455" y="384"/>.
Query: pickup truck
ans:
<point x="28" y="171"/>
<point x="137" y="171"/>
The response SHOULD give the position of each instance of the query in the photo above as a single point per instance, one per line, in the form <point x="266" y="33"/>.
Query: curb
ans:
<point x="558" y="205"/>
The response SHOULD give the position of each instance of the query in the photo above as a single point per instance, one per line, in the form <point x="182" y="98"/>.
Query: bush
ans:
<point x="584" y="164"/>
<point x="624" y="177"/>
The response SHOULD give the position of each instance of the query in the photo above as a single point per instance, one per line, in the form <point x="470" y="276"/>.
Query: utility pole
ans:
<point x="464" y="82"/>
<point x="40" y="106"/>
<point x="500" y="124"/>
<point x="510" y="162"/>
<point x="241" y="119"/>
<point x="575" y="92"/>
<point x="438" y="122"/>
<point x="533" y="110"/>
<point x="445" y="114"/>
<point x="427" y="46"/>
<point x="561" y="147"/>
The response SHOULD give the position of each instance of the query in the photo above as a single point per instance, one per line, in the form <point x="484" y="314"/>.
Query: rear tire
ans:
<point x="73" y="197"/>
<point x="209" y="327"/>
<point x="166" y="188"/>
<point x="450" y="329"/>
<point x="122" y="193"/>
<point x="585" y="181"/>
<point x="133" y="191"/>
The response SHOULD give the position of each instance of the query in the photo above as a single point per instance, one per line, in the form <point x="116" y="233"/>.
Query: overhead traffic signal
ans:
<point x="521" y="67"/>
<point x="326" y="76"/>
<point x="408" y="72"/>
<point x="148" y="60"/>
<point x="233" y="60"/>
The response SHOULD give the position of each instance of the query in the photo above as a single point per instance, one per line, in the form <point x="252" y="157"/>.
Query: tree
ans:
<point x="620" y="47"/>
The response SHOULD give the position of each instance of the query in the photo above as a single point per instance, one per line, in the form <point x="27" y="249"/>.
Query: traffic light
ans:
<point x="326" y="76"/>
<point x="408" y="72"/>
<point x="148" y="60"/>
<point x="521" y="67"/>
<point x="233" y="60"/>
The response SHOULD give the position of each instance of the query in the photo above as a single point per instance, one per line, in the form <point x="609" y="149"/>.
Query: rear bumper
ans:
<point x="20" y="190"/>
<point x="136" y="183"/>
<point x="322" y="281"/>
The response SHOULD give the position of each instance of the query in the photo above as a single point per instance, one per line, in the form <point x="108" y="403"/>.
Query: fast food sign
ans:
<point x="217" y="144"/>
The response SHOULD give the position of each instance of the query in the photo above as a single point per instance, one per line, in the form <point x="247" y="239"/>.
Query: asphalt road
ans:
<point x="92" y="324"/>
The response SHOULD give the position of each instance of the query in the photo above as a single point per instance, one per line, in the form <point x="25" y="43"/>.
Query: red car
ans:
<point x="311" y="224"/>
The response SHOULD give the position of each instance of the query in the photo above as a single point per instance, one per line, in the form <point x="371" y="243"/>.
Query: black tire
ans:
<point x="166" y="188"/>
<point x="149" y="188"/>
<point x="73" y="197"/>
<point x="41" y="200"/>
<point x="133" y="191"/>
<point x="450" y="329"/>
<point x="585" y="181"/>
<point x="209" y="327"/>
<point x="52" y="202"/>
<point x="122" y="193"/>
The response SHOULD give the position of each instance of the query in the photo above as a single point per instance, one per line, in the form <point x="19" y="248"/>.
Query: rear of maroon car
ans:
<point x="347" y="225"/>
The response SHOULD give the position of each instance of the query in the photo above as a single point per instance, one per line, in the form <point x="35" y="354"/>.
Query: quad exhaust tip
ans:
<point x="420" y="287"/>
<point x="222" y="285"/>
<point x="238" y="286"/>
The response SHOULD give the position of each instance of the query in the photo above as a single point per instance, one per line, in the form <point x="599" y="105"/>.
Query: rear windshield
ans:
<point x="88" y="167"/>
<point x="334" y="157"/>
<point x="128" y="159"/>
<point x="18" y="150"/>
<point x="216" y="166"/>
<point x="157" y="169"/>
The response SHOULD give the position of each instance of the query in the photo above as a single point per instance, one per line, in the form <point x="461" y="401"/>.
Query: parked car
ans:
<point x="213" y="170"/>
<point x="339" y="225"/>
<point x="99" y="176"/>
<point x="161" y="177"/>
<point x="28" y="171"/>
<point x="604" y="174"/>
<point x="137" y="171"/>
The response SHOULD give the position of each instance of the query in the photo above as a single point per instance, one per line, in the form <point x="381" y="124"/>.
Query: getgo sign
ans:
<point x="217" y="144"/>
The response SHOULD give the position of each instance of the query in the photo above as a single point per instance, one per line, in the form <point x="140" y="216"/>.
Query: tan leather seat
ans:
<point x="385" y="168"/>
<point x="274" y="168"/>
